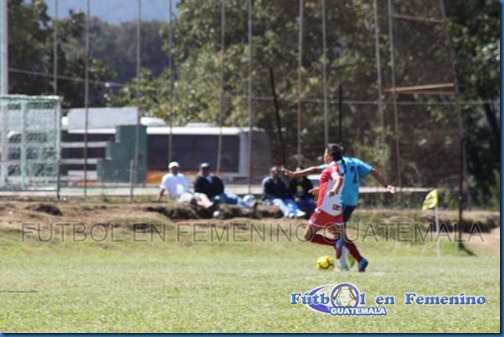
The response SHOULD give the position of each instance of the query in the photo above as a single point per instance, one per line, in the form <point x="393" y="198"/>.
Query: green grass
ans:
<point x="164" y="286"/>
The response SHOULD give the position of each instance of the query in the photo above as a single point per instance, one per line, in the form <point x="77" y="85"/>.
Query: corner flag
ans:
<point x="431" y="200"/>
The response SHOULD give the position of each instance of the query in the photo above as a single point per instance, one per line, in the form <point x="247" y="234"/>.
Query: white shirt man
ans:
<point x="174" y="182"/>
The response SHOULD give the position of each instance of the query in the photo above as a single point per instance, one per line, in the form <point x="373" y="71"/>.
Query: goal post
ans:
<point x="30" y="135"/>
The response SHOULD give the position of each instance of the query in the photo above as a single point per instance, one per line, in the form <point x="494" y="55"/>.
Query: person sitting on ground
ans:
<point x="213" y="187"/>
<point x="174" y="182"/>
<point x="275" y="192"/>
<point x="300" y="187"/>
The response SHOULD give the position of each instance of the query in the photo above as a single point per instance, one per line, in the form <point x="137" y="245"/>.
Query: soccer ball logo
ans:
<point x="325" y="262"/>
<point x="345" y="295"/>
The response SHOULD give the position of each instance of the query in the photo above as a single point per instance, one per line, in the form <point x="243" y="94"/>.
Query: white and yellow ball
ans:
<point x="325" y="262"/>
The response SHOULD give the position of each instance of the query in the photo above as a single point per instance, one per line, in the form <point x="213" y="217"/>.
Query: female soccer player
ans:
<point x="329" y="212"/>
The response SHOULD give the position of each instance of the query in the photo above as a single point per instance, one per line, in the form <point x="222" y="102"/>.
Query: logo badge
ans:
<point x="343" y="299"/>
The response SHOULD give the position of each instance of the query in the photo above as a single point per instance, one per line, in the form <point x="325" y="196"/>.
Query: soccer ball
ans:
<point x="325" y="262"/>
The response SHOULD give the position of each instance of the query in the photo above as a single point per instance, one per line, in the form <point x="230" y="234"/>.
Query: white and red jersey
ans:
<point x="330" y="176"/>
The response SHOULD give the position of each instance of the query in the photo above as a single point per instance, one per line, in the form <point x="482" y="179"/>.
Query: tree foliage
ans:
<point x="427" y="134"/>
<point x="201" y="67"/>
<point x="31" y="32"/>
<point x="475" y="31"/>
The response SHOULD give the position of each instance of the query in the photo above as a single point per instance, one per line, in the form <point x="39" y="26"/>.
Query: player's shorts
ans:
<point x="323" y="219"/>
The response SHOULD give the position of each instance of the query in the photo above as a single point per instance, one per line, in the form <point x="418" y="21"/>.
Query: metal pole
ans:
<point x="5" y="141"/>
<point x="55" y="88"/>
<point x="4" y="49"/>
<point x="86" y="98"/>
<point x="380" y="85"/>
<point x="300" y="84"/>
<point x="221" y="95"/>
<point x="170" y="65"/>
<point x="137" y="128"/>
<point x="55" y="48"/>
<point x="460" y="129"/>
<point x="438" y="239"/>
<point x="340" y="122"/>
<point x="277" y="112"/>
<point x="23" y="155"/>
<point x="249" y="98"/>
<point x="324" y="73"/>
<point x="58" y="147"/>
<point x="4" y="88"/>
<point x="394" y="94"/>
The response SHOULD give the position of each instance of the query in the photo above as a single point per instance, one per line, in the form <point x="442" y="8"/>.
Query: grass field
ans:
<point x="144" y="283"/>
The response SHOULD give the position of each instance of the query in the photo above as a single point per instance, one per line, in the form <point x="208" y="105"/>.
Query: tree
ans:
<point x="197" y="49"/>
<point x="115" y="46"/>
<point x="475" y="31"/>
<point x="428" y="133"/>
<point x="31" y="55"/>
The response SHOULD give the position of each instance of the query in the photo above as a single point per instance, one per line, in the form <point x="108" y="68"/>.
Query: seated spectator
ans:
<point x="299" y="187"/>
<point x="213" y="187"/>
<point x="275" y="192"/>
<point x="174" y="182"/>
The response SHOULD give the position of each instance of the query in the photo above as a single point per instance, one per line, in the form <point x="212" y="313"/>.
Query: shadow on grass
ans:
<point x="463" y="249"/>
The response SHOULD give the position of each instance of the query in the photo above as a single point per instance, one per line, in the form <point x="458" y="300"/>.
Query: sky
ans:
<point x="116" y="11"/>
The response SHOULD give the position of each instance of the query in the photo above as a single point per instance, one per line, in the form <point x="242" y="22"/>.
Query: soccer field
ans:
<point x="155" y="284"/>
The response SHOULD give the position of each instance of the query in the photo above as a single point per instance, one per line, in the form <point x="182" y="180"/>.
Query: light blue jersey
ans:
<point x="354" y="169"/>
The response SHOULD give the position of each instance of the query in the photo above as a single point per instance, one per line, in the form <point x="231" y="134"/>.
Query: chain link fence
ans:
<point x="377" y="75"/>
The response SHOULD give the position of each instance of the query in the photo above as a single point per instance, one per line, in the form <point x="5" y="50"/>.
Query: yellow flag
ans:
<point x="431" y="200"/>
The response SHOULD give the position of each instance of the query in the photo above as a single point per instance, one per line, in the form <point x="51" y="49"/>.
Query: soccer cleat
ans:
<point x="341" y="269"/>
<point x="339" y="248"/>
<point x="342" y="266"/>
<point x="363" y="264"/>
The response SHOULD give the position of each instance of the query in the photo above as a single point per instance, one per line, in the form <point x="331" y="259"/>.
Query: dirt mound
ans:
<point x="185" y="212"/>
<point x="45" y="208"/>
<point x="481" y="223"/>
<point x="175" y="212"/>
<point x="7" y="206"/>
<point x="269" y="212"/>
<point x="93" y="208"/>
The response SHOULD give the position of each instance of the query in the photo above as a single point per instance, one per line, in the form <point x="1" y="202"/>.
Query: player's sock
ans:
<point x="320" y="239"/>
<point x="342" y="261"/>
<point x="353" y="250"/>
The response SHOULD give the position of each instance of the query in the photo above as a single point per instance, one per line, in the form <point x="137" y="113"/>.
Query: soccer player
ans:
<point x="329" y="212"/>
<point x="356" y="169"/>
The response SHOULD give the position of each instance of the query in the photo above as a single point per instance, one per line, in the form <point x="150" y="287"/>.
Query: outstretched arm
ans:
<point x="309" y="170"/>
<point x="382" y="181"/>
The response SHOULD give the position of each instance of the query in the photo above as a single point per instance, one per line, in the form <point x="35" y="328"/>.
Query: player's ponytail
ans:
<point x="336" y="151"/>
